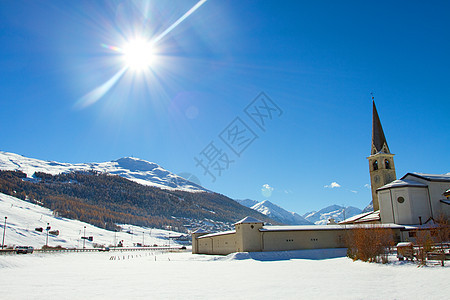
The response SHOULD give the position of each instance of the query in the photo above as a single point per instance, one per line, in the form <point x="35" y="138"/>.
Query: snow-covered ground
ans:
<point x="307" y="274"/>
<point x="159" y="275"/>
<point x="23" y="217"/>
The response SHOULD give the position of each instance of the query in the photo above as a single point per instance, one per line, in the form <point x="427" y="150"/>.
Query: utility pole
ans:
<point x="143" y="235"/>
<point x="4" y="230"/>
<point x="84" y="237"/>
<point x="46" y="240"/>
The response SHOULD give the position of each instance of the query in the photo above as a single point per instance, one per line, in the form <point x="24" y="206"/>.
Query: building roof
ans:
<point x="217" y="234"/>
<point x="364" y="217"/>
<point x="326" y="227"/>
<point x="248" y="220"/>
<point x="402" y="183"/>
<point x="429" y="177"/>
<point x="355" y="217"/>
<point x="373" y="216"/>
<point x="378" y="138"/>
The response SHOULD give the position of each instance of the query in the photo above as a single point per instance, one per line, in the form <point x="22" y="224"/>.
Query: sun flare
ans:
<point x="138" y="54"/>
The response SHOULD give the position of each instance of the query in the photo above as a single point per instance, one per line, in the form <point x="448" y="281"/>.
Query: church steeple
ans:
<point x="381" y="160"/>
<point x="379" y="143"/>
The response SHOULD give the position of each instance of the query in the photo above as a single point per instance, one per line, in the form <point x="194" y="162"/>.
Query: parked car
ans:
<point x="23" y="249"/>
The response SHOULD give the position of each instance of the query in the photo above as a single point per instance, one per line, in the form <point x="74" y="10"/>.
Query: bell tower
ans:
<point x="381" y="160"/>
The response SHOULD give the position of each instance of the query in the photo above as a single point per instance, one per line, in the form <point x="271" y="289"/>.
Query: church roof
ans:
<point x="378" y="138"/>
<point x="429" y="177"/>
<point x="247" y="220"/>
<point x="216" y="234"/>
<point x="402" y="183"/>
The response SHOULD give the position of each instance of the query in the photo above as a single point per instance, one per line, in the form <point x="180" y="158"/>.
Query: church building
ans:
<point x="415" y="199"/>
<point x="399" y="205"/>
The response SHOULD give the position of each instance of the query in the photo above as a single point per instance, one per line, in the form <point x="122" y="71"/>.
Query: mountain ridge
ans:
<point x="135" y="169"/>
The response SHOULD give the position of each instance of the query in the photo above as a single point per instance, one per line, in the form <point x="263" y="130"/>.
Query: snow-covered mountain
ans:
<point x="336" y="212"/>
<point x="135" y="169"/>
<point x="368" y="208"/>
<point x="246" y="202"/>
<point x="276" y="213"/>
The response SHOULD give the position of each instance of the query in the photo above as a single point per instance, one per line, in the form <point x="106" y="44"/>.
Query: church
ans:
<point x="414" y="199"/>
<point x="400" y="205"/>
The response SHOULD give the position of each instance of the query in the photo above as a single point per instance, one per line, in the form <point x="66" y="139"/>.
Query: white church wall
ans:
<point x="386" y="212"/>
<point x="436" y="190"/>
<point x="420" y="205"/>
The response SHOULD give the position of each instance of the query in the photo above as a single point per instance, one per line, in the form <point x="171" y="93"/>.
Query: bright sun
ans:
<point x="138" y="54"/>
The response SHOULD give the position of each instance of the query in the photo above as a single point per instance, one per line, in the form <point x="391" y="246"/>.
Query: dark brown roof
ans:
<point x="378" y="138"/>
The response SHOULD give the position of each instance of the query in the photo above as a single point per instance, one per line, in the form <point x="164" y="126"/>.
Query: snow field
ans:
<point x="188" y="276"/>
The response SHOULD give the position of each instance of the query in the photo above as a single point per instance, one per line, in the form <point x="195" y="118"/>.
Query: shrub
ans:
<point x="370" y="243"/>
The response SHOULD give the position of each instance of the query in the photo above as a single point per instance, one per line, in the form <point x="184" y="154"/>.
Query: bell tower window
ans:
<point x="375" y="165"/>
<point x="387" y="164"/>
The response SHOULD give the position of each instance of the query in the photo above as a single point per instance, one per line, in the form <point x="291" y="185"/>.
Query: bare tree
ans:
<point x="441" y="236"/>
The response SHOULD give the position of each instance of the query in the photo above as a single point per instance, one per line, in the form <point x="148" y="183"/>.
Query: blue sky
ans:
<point x="317" y="61"/>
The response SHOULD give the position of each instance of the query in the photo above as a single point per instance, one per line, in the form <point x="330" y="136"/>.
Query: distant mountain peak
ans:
<point x="275" y="212"/>
<point x="337" y="212"/>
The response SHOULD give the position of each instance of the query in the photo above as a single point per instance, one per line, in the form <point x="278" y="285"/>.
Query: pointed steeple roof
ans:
<point x="378" y="138"/>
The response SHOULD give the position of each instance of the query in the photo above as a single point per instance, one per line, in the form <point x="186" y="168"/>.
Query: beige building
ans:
<point x="251" y="235"/>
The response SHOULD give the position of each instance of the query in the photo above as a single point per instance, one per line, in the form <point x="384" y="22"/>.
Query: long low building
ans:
<point x="251" y="235"/>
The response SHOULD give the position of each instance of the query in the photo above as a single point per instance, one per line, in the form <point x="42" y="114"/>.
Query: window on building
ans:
<point x="412" y="234"/>
<point x="400" y="199"/>
<point x="387" y="163"/>
<point x="375" y="165"/>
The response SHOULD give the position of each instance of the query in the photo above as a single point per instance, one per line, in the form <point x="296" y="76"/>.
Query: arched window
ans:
<point x="387" y="164"/>
<point x="375" y="165"/>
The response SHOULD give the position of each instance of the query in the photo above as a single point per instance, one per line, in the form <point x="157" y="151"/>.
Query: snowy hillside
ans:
<point x="336" y="212"/>
<point x="279" y="214"/>
<point x="23" y="217"/>
<point x="138" y="170"/>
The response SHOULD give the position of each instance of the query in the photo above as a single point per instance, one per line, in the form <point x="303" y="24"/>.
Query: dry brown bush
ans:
<point x="370" y="243"/>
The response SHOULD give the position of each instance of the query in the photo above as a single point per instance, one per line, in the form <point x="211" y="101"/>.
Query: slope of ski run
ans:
<point x="23" y="217"/>
<point x="138" y="170"/>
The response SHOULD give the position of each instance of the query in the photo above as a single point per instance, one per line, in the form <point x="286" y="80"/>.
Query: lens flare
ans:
<point x="138" y="54"/>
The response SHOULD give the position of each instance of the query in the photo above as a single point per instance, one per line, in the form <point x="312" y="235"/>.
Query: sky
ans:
<point x="267" y="100"/>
